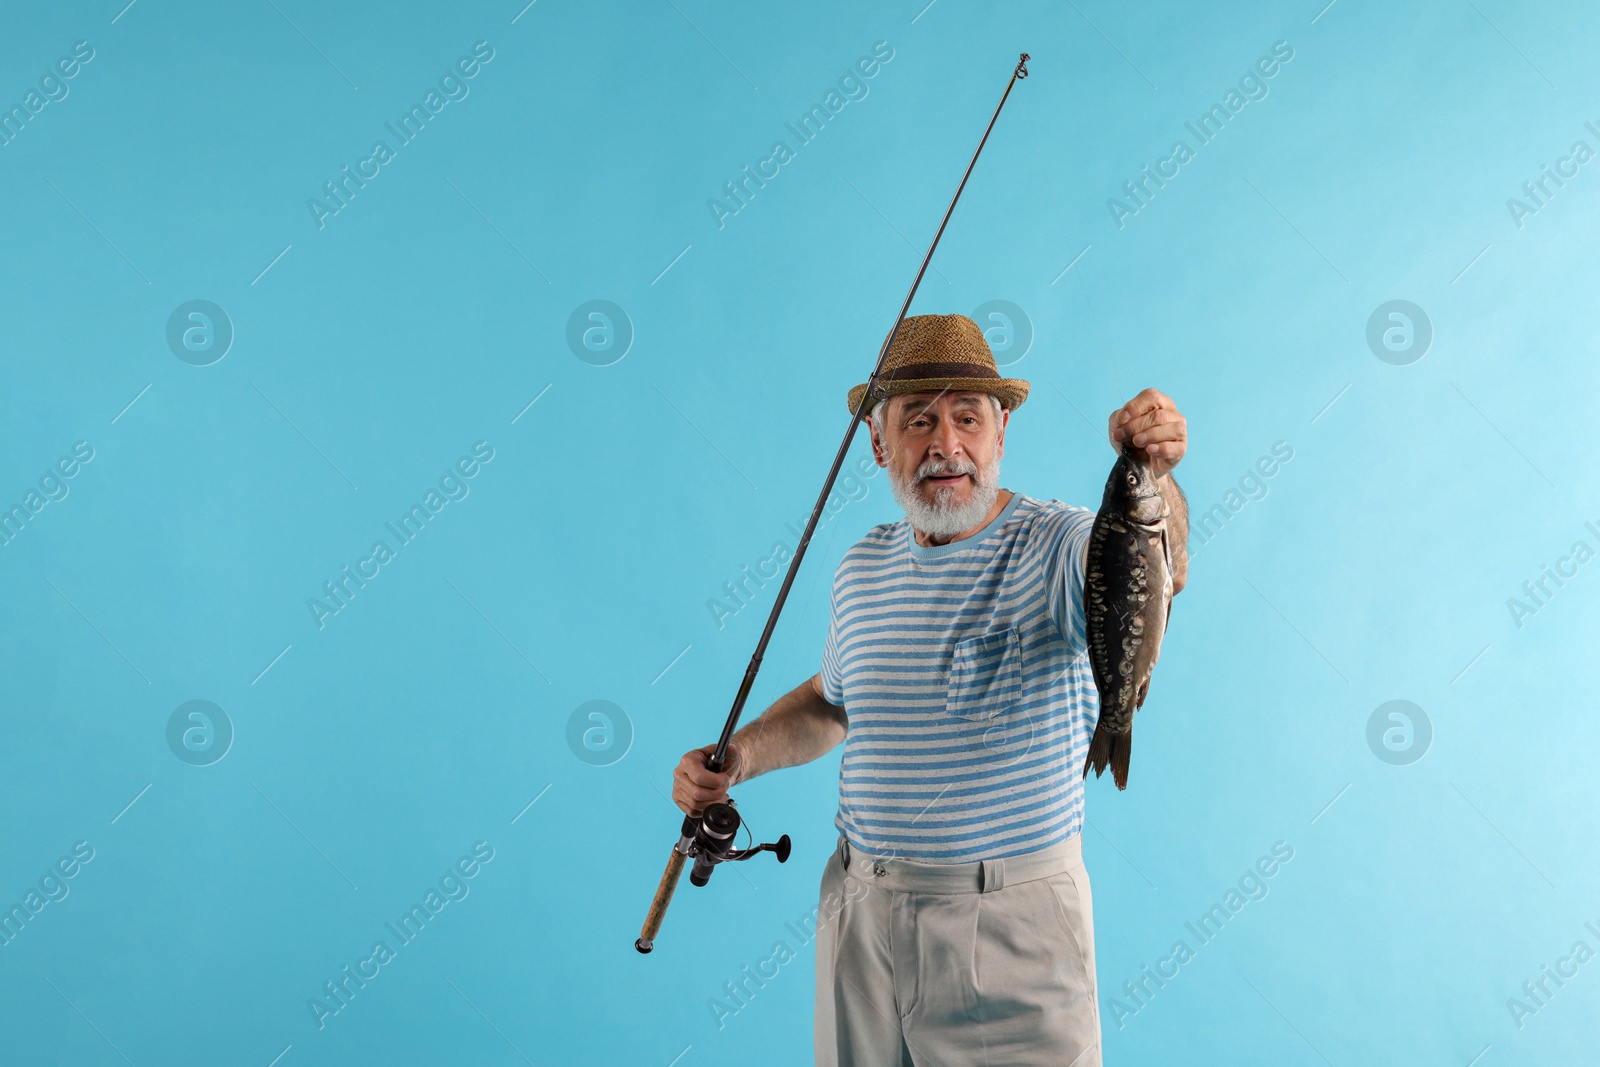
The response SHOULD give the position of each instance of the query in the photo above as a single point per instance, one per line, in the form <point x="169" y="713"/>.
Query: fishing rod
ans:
<point x="707" y="838"/>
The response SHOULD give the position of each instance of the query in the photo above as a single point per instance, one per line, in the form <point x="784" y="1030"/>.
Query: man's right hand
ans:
<point x="694" y="786"/>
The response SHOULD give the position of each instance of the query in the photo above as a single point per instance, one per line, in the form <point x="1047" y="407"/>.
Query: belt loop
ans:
<point x="991" y="875"/>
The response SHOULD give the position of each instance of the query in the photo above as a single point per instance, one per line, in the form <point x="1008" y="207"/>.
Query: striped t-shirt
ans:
<point x="964" y="672"/>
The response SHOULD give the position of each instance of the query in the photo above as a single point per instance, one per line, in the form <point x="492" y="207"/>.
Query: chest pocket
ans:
<point x="985" y="675"/>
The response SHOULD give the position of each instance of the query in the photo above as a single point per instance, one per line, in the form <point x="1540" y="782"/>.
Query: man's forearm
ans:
<point x="799" y="727"/>
<point x="1177" y="529"/>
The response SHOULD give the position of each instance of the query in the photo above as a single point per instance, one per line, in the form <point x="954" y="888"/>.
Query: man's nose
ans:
<point x="944" y="442"/>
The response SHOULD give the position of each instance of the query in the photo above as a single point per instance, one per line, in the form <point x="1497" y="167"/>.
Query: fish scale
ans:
<point x="1127" y="604"/>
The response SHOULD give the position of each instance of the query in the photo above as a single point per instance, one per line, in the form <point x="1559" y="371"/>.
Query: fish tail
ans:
<point x="1109" y="748"/>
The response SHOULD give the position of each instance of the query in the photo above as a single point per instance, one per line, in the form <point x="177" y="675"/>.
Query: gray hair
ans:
<point x="876" y="415"/>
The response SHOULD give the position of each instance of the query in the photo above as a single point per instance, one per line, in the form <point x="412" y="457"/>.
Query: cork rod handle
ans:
<point x="658" y="906"/>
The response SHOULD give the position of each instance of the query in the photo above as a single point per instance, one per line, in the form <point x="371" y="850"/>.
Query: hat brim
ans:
<point x="1010" y="391"/>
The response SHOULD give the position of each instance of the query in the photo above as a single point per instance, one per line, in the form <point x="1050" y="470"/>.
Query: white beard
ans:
<point x="942" y="518"/>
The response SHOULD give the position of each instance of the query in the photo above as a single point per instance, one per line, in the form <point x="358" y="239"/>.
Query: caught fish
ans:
<point x="1127" y="602"/>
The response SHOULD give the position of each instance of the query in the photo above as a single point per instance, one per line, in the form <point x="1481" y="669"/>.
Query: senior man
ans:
<point x="955" y="924"/>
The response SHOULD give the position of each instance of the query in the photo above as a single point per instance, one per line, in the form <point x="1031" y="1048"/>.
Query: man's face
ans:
<point x="942" y="450"/>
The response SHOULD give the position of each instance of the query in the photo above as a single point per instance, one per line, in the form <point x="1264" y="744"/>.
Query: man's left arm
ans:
<point x="1154" y="423"/>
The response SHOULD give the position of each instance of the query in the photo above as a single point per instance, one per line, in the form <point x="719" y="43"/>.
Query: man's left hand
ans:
<point x="1154" y="423"/>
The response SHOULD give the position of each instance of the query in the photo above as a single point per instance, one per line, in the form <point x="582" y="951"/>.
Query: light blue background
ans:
<point x="431" y="310"/>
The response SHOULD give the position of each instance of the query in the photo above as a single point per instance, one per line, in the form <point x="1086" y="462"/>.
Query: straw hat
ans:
<point x="942" y="352"/>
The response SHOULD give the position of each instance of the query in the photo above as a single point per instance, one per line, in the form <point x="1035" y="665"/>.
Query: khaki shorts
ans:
<point x="957" y="965"/>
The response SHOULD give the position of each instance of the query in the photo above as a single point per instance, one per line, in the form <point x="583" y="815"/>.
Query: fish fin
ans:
<point x="1121" y="746"/>
<point x="1143" y="691"/>
<point x="1099" y="753"/>
<point x="1166" y="546"/>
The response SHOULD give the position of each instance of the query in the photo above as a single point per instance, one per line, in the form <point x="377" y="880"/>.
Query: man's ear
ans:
<point x="879" y="449"/>
<point x="1000" y="438"/>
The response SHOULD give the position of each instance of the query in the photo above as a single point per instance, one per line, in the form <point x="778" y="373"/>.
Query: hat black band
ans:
<point x="940" y="370"/>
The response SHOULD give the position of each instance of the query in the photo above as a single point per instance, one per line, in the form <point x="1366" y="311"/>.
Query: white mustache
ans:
<point x="930" y="469"/>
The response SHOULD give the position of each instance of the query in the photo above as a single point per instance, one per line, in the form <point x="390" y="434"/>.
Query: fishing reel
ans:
<point x="714" y="835"/>
<point x="707" y="839"/>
